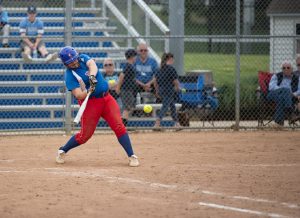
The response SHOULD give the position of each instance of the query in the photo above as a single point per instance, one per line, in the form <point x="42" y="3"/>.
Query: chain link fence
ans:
<point x="223" y="53"/>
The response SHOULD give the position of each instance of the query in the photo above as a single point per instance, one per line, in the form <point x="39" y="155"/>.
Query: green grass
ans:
<point x="223" y="67"/>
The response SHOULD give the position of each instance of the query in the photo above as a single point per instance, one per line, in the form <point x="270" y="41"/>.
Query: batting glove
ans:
<point x="93" y="83"/>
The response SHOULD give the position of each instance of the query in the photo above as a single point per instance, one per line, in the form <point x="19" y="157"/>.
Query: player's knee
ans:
<point x="120" y="129"/>
<point x="83" y="138"/>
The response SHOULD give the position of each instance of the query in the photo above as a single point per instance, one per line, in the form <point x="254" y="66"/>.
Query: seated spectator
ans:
<point x="112" y="78"/>
<point x="32" y="30"/>
<point x="127" y="85"/>
<point x="167" y="85"/>
<point x="297" y="72"/>
<point x="146" y="68"/>
<point x="4" y="27"/>
<point x="284" y="90"/>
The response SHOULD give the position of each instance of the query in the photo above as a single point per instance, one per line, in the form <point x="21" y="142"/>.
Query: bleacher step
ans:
<point x="62" y="19"/>
<point x="31" y="83"/>
<point x="96" y="28"/>
<point x="79" y="49"/>
<point x="52" y="10"/>
<point x="75" y="38"/>
<point x="31" y="95"/>
<point x="43" y="61"/>
<point x="38" y="71"/>
<point x="32" y="71"/>
<point x="35" y="107"/>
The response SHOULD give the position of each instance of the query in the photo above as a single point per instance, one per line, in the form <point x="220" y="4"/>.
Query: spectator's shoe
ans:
<point x="5" y="45"/>
<point x="157" y="126"/>
<point x="51" y="57"/>
<point x="60" y="158"/>
<point x="26" y="57"/>
<point x="276" y="126"/>
<point x="133" y="161"/>
<point x="294" y="118"/>
<point x="177" y="126"/>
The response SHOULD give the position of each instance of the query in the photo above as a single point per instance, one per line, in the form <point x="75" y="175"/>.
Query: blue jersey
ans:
<point x="83" y="72"/>
<point x="3" y="17"/>
<point x="146" y="70"/>
<point x="31" y="29"/>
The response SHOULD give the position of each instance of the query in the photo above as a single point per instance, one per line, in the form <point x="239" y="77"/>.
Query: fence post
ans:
<point x="176" y="25"/>
<point x="237" y="66"/>
<point x="68" y="42"/>
<point x="129" y="20"/>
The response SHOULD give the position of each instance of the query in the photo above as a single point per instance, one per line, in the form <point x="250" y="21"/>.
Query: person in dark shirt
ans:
<point x="167" y="86"/>
<point x="127" y="85"/>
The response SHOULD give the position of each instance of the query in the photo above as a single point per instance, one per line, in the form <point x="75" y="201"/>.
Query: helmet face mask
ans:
<point x="68" y="55"/>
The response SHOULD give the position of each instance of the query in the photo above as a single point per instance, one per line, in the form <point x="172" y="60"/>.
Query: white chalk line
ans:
<point x="61" y="171"/>
<point x="289" y="205"/>
<point x="7" y="161"/>
<point x="242" y="210"/>
<point x="248" y="165"/>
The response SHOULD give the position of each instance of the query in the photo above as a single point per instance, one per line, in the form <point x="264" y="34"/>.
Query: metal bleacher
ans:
<point x="32" y="95"/>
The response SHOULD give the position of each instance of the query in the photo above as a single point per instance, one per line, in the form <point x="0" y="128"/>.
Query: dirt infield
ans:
<point x="182" y="174"/>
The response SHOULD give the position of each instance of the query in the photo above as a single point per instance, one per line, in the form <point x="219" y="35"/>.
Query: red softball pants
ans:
<point x="105" y="107"/>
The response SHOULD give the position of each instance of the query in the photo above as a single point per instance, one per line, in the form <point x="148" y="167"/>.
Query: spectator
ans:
<point x="127" y="85"/>
<point x="297" y="72"/>
<point x="284" y="89"/>
<point x="146" y="68"/>
<point x="32" y="30"/>
<point x="167" y="86"/>
<point x="4" y="27"/>
<point x="112" y="78"/>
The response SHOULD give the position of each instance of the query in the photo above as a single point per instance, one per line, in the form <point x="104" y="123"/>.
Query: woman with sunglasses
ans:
<point x="82" y="75"/>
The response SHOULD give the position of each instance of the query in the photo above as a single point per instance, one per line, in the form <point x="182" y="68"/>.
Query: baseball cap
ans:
<point x="130" y="53"/>
<point x="31" y="9"/>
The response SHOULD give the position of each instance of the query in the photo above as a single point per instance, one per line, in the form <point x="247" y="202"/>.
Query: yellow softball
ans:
<point x="147" y="108"/>
<point x="111" y="82"/>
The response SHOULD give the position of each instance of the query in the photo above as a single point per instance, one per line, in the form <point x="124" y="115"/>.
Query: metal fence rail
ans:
<point x="221" y="50"/>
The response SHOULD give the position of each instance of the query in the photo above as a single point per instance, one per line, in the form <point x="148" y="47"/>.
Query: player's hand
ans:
<point x="93" y="83"/>
<point x="92" y="89"/>
<point x="93" y="80"/>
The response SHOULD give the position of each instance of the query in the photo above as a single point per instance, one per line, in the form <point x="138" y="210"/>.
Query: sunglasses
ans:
<point x="286" y="68"/>
<point x="143" y="50"/>
<point x="108" y="65"/>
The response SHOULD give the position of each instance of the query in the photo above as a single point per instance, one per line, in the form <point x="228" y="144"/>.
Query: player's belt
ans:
<point x="102" y="95"/>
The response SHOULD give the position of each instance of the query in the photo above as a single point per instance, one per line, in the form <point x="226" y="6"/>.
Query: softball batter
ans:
<point x="100" y="103"/>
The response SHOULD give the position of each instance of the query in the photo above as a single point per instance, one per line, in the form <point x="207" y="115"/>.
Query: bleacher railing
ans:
<point x="132" y="32"/>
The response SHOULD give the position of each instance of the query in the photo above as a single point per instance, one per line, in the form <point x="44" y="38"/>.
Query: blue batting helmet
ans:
<point x="68" y="55"/>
